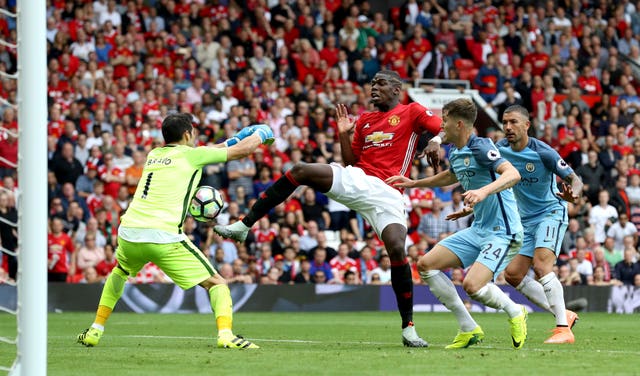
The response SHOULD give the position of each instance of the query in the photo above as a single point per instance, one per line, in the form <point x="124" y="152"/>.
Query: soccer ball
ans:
<point x="206" y="204"/>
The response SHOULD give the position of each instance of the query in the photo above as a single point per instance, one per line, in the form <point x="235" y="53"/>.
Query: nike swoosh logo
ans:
<point x="516" y="344"/>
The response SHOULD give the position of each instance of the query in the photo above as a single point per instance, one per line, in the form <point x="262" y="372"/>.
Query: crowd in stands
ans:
<point x="117" y="68"/>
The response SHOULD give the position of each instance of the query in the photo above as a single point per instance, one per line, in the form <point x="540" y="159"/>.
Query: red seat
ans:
<point x="468" y="74"/>
<point x="464" y="64"/>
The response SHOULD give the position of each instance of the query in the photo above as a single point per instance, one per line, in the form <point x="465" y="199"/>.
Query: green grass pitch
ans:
<point x="366" y="343"/>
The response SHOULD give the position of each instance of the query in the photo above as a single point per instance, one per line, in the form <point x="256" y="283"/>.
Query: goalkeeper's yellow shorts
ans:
<point x="182" y="261"/>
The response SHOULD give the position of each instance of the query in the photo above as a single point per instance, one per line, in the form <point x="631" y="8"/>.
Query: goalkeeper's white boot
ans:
<point x="237" y="231"/>
<point x="410" y="337"/>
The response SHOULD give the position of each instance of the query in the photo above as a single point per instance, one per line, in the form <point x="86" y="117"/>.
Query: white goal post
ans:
<point x="32" y="179"/>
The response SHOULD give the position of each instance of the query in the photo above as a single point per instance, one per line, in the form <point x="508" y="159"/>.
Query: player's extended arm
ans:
<point x="345" y="132"/>
<point x="571" y="188"/>
<point x="439" y="180"/>
<point x="245" y="147"/>
<point x="509" y="177"/>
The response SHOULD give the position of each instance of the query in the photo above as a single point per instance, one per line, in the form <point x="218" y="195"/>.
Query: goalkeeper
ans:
<point x="151" y="229"/>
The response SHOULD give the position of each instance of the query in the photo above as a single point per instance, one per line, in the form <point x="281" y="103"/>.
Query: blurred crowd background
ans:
<point x="117" y="68"/>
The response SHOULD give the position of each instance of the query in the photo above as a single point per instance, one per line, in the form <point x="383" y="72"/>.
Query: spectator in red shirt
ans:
<point x="330" y="51"/>
<point x="395" y="58"/>
<point x="488" y="79"/>
<point x="105" y="266"/>
<point x="417" y="48"/>
<point x="538" y="59"/>
<point x="342" y="263"/>
<point x="112" y="176"/>
<point x="60" y="253"/>
<point x="9" y="153"/>
<point x="121" y="57"/>
<point x="589" y="83"/>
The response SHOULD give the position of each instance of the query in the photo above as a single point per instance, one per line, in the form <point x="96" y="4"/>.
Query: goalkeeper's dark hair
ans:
<point x="174" y="126"/>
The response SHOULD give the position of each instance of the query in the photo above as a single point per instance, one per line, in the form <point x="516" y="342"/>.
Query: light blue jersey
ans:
<point x="538" y="165"/>
<point x="475" y="166"/>
<point x="544" y="215"/>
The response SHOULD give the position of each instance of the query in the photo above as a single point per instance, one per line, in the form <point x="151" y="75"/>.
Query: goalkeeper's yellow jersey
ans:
<point x="169" y="179"/>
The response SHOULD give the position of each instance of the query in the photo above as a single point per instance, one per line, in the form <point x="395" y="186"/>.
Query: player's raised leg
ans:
<point x="317" y="176"/>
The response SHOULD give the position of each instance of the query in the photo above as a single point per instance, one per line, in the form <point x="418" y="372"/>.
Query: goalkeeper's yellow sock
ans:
<point x="222" y="307"/>
<point x="111" y="293"/>
<point x="102" y="315"/>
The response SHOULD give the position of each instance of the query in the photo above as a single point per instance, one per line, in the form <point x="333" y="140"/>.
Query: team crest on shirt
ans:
<point x="378" y="137"/>
<point x="562" y="164"/>
<point x="394" y="120"/>
<point x="466" y="161"/>
<point x="493" y="155"/>
<point x="530" y="167"/>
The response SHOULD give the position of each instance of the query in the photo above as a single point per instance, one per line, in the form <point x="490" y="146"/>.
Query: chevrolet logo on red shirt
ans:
<point x="377" y="137"/>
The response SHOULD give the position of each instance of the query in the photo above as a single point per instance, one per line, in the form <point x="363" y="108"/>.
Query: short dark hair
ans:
<point x="174" y="126"/>
<point x="392" y="76"/>
<point x="462" y="109"/>
<point x="519" y="109"/>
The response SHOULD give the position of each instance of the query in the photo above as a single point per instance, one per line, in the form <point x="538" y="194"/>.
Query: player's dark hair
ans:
<point x="519" y="109"/>
<point x="392" y="76"/>
<point x="174" y="126"/>
<point x="462" y="109"/>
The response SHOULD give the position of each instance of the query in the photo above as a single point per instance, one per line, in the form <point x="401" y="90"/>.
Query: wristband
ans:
<point x="231" y="141"/>
<point x="436" y="139"/>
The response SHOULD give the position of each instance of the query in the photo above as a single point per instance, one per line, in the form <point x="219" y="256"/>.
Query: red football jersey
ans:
<point x="58" y="248"/>
<point x="384" y="143"/>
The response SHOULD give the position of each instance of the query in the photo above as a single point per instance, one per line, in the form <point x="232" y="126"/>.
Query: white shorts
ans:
<point x="376" y="201"/>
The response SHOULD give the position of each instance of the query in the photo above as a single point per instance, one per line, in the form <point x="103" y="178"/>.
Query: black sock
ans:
<point x="274" y="195"/>
<point x="403" y="288"/>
